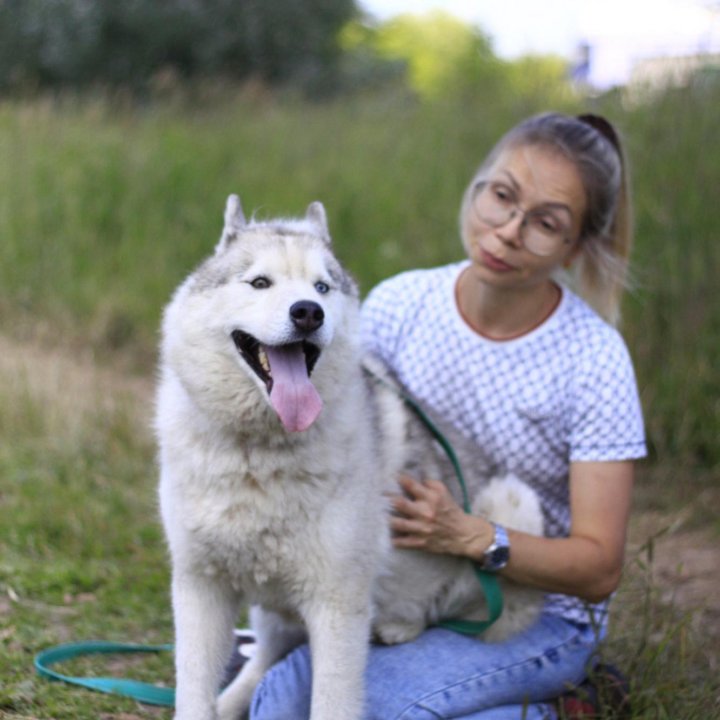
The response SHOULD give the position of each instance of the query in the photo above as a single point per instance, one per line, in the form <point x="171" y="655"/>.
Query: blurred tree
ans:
<point x="544" y="77"/>
<point x="81" y="42"/>
<point x="443" y="55"/>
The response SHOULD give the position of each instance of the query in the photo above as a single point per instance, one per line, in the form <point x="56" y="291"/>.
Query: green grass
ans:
<point x="81" y="551"/>
<point x="106" y="209"/>
<point x="673" y="321"/>
<point x="666" y="649"/>
<point x="103" y="210"/>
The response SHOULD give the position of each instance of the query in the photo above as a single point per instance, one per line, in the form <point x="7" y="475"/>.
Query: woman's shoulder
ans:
<point x="390" y="309"/>
<point x="421" y="276"/>
<point x="411" y="286"/>
<point x="583" y="322"/>
<point x="590" y="340"/>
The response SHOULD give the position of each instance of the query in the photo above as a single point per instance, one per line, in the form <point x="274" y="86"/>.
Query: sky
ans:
<point x="619" y="31"/>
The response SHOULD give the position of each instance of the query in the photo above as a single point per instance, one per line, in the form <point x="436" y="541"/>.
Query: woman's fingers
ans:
<point x="408" y="533"/>
<point x="414" y="488"/>
<point x="431" y="490"/>
<point x="404" y="525"/>
<point x="412" y="508"/>
<point x="427" y="517"/>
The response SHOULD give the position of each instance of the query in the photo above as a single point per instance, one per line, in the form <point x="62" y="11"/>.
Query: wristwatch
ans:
<point x="497" y="555"/>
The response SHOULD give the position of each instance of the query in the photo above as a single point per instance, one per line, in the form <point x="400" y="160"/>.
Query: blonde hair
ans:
<point x="600" y="271"/>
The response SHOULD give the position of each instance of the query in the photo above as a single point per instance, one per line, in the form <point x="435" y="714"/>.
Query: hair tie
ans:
<point x="604" y="127"/>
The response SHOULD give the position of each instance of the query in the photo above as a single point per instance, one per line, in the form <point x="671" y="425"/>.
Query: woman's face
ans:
<point x="533" y="201"/>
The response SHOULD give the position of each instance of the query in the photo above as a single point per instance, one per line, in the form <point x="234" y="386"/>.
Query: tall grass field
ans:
<point x="105" y="207"/>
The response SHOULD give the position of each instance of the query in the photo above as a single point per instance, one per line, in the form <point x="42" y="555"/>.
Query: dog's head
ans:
<point x="274" y="296"/>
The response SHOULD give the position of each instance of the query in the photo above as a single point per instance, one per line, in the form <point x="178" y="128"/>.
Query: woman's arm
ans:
<point x="587" y="564"/>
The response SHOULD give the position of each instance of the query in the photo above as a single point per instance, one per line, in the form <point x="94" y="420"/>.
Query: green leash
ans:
<point x="164" y="696"/>
<point x="488" y="581"/>
<point x="144" y="692"/>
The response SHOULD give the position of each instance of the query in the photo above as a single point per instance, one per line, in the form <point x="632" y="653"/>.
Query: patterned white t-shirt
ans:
<point x="561" y="393"/>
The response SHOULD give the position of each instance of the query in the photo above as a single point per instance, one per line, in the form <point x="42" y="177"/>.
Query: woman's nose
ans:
<point x="511" y="231"/>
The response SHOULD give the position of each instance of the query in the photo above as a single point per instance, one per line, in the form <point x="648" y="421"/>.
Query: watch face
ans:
<point x="499" y="557"/>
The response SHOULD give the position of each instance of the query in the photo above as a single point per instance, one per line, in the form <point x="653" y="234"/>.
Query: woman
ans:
<point x="504" y="350"/>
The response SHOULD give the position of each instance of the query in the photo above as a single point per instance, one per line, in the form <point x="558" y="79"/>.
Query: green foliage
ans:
<point x="540" y="76"/>
<point x="76" y="43"/>
<point x="443" y="56"/>
<point x="673" y="317"/>
<point x="447" y="58"/>
<point x="441" y="53"/>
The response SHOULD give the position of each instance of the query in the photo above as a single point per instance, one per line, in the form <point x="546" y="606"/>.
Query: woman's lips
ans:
<point x="494" y="263"/>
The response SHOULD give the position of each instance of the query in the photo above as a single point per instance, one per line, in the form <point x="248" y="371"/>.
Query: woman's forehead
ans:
<point x="541" y="175"/>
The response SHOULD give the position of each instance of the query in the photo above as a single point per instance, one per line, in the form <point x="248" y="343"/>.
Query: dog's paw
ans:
<point x="228" y="711"/>
<point x="234" y="701"/>
<point x="394" y="633"/>
<point x="209" y="714"/>
<point x="231" y="715"/>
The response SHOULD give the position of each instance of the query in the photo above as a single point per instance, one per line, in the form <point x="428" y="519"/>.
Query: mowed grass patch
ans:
<point x="81" y="551"/>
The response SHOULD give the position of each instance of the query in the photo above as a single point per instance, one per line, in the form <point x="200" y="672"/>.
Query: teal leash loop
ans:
<point x="143" y="692"/>
<point x="488" y="581"/>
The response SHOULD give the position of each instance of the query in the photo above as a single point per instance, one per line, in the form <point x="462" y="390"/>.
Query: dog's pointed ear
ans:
<point x="315" y="214"/>
<point x="234" y="222"/>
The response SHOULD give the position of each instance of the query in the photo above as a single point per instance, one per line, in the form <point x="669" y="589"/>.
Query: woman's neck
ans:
<point x="505" y="313"/>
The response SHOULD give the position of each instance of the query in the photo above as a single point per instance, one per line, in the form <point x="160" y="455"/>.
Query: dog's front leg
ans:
<point x="339" y="632"/>
<point x="204" y="610"/>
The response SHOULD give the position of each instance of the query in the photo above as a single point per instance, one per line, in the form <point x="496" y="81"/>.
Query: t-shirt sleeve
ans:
<point x="606" y="420"/>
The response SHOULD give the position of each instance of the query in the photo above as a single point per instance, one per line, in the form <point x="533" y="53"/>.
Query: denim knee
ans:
<point x="285" y="690"/>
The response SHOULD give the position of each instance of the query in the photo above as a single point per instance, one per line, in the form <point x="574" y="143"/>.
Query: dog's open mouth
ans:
<point x="285" y="370"/>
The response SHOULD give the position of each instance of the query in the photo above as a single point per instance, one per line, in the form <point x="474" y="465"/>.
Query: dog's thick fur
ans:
<point x="273" y="489"/>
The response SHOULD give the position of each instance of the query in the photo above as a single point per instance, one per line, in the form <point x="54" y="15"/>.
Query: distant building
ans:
<point x="663" y="51"/>
<point x="658" y="73"/>
<point x="643" y="73"/>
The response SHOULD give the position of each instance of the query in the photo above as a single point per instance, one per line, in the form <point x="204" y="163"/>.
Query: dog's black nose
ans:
<point x="307" y="315"/>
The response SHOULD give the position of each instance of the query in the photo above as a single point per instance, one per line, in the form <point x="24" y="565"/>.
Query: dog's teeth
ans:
<point x="262" y="357"/>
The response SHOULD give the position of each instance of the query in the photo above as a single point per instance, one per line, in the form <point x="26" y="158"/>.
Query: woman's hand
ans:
<point x="428" y="518"/>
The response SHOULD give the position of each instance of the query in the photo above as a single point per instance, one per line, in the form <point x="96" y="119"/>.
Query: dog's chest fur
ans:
<point x="257" y="516"/>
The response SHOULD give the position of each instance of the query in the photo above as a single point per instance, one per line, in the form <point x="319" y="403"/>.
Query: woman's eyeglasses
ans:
<point x="542" y="230"/>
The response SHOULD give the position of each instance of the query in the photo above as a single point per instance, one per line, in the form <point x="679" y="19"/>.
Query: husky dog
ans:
<point x="273" y="487"/>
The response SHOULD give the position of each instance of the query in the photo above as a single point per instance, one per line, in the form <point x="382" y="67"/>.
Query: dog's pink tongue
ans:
<point x="293" y="396"/>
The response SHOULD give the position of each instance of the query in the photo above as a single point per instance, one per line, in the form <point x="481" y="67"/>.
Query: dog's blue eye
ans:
<point x="261" y="283"/>
<point x="322" y="287"/>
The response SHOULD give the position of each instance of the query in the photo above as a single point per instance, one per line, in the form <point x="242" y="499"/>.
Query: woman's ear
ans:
<point x="572" y="256"/>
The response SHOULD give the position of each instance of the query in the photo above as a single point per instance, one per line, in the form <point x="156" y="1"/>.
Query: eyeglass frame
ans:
<point x="479" y="186"/>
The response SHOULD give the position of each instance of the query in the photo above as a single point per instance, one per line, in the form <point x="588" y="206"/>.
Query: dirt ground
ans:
<point x="686" y="564"/>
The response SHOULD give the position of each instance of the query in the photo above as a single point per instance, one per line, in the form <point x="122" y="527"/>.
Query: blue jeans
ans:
<point x="443" y="674"/>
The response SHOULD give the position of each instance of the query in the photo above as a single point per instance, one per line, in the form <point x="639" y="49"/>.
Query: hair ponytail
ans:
<point x="601" y="272"/>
